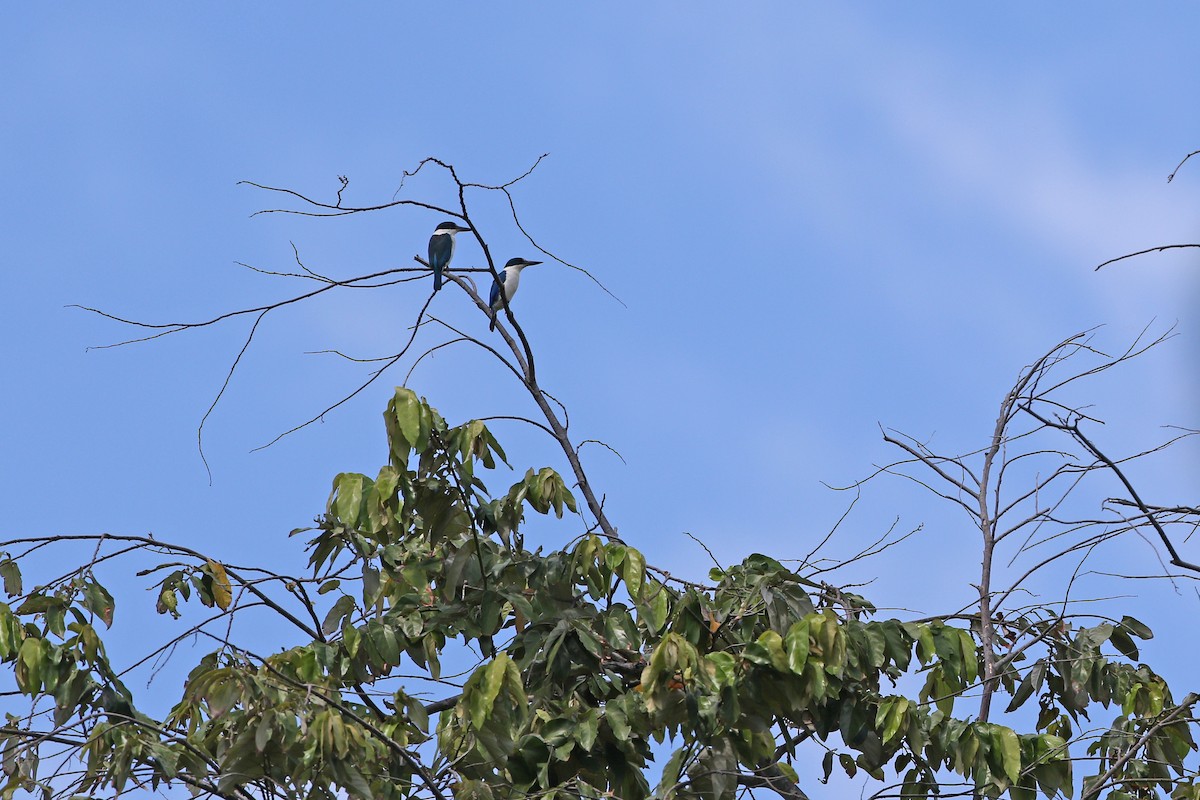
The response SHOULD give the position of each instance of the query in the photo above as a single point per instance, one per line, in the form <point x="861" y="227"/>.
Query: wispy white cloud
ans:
<point x="1022" y="159"/>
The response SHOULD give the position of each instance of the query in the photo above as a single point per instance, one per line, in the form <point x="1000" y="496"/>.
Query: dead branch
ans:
<point x="522" y="363"/>
<point x="1144" y="252"/>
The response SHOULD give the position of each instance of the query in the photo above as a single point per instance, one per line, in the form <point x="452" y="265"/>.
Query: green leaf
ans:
<point x="724" y="667"/>
<point x="352" y="780"/>
<point x="797" y="644"/>
<point x="969" y="659"/>
<point x="370" y="588"/>
<point x="349" y="489"/>
<point x="899" y="642"/>
<point x="97" y="600"/>
<point x="1030" y="684"/>
<point x="407" y="411"/>
<point x="1124" y="643"/>
<point x="895" y="710"/>
<point x="12" y="577"/>
<point x="427" y="418"/>
<point x="168" y="602"/>
<point x="614" y="555"/>
<point x="1136" y="628"/>
<point x="1130" y="701"/>
<point x="816" y="680"/>
<point x="262" y="735"/>
<point x="429" y="649"/>
<point x="341" y="609"/>
<point x="885" y="709"/>
<point x="525" y="765"/>
<point x="483" y="699"/>
<point x="31" y="658"/>
<point x="1005" y="739"/>
<point x="10" y="633"/>
<point x="56" y="619"/>
<point x="876" y="644"/>
<point x="767" y="651"/>
<point x="926" y="649"/>
<point x="1022" y="793"/>
<point x="634" y="572"/>
<point x="618" y="722"/>
<point x="653" y="606"/>
<point x="587" y="729"/>
<point x="495" y="446"/>
<point x="1156" y="699"/>
<point x="716" y="768"/>
<point x="670" y="773"/>
<point x="417" y="714"/>
<point x="385" y="483"/>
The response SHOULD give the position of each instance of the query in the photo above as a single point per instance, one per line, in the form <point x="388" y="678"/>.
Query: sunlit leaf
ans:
<point x="634" y="572"/>
<point x="222" y="592"/>
<point x="1010" y="748"/>
<point x="797" y="644"/>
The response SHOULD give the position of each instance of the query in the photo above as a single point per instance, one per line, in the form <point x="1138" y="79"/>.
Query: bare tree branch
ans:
<point x="1144" y="252"/>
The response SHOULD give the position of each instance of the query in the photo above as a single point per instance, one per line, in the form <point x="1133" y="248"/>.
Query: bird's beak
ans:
<point x="531" y="263"/>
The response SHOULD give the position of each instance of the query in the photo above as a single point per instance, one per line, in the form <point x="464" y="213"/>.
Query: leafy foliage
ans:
<point x="585" y="665"/>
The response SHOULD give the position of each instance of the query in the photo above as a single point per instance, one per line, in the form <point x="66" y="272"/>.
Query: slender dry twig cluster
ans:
<point x="519" y="355"/>
<point x="1040" y="439"/>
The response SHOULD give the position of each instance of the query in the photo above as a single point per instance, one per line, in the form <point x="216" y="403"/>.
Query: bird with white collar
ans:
<point x="441" y="249"/>
<point x="510" y="278"/>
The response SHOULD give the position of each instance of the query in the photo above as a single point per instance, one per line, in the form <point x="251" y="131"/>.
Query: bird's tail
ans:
<point x="492" y="325"/>
<point x="437" y="279"/>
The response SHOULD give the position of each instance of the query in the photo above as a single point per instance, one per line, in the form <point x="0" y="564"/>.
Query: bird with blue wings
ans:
<point x="510" y="278"/>
<point x="441" y="249"/>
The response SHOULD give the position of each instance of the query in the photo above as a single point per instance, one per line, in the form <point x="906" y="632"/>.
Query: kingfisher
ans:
<point x="510" y="277"/>
<point x="441" y="249"/>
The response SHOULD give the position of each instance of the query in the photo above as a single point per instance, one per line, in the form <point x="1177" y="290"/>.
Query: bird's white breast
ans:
<point x="511" y="278"/>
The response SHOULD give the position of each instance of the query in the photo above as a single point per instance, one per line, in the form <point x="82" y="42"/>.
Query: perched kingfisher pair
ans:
<point x="441" y="250"/>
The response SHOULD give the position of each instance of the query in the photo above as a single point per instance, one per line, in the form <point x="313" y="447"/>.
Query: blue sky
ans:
<point x="820" y="217"/>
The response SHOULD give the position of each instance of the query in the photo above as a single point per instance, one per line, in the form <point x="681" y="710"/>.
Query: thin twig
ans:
<point x="1144" y="252"/>
<point x="1178" y="166"/>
